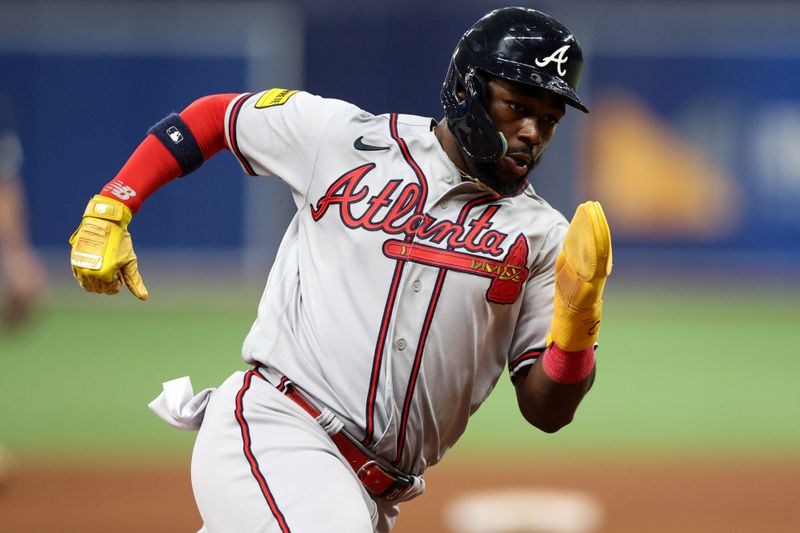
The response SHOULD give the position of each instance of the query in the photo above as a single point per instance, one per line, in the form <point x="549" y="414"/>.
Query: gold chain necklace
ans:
<point x="469" y="177"/>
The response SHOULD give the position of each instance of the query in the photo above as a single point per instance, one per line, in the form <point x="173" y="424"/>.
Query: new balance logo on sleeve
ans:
<point x="123" y="192"/>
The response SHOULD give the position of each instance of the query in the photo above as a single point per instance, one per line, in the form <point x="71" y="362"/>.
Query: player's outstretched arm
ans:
<point x="550" y="391"/>
<point x="102" y="257"/>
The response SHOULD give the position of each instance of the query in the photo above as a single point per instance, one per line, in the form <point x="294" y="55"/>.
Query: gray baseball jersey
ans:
<point x="400" y="292"/>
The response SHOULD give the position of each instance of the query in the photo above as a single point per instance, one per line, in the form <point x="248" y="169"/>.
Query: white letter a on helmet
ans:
<point x="559" y="56"/>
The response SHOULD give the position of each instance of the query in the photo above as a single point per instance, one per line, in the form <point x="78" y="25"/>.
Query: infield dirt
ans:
<point x="641" y="496"/>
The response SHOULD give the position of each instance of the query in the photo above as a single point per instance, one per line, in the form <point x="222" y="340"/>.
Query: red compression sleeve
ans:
<point x="206" y="118"/>
<point x="568" y="367"/>
<point x="151" y="165"/>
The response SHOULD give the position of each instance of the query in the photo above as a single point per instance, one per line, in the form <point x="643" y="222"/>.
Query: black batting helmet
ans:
<point x="518" y="44"/>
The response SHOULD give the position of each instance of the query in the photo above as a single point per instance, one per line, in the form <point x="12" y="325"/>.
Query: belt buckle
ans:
<point x="399" y="486"/>
<point x="366" y="465"/>
<point x="370" y="474"/>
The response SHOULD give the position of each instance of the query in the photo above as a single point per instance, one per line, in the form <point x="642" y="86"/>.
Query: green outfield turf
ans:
<point x="700" y="370"/>
<point x="695" y="370"/>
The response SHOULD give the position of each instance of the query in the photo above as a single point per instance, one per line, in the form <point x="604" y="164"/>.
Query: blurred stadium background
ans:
<point x="691" y="145"/>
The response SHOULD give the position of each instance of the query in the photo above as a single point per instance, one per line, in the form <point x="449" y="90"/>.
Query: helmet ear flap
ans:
<point x="479" y="87"/>
<point x="483" y="95"/>
<point x="467" y="117"/>
<point x="475" y="131"/>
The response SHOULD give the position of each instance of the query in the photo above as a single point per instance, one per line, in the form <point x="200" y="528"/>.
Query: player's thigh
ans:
<point x="260" y="464"/>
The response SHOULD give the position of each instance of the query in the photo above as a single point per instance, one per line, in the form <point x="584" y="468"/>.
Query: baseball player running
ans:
<point x="420" y="264"/>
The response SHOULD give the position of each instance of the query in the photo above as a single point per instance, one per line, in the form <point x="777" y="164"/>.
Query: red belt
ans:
<point x="376" y="478"/>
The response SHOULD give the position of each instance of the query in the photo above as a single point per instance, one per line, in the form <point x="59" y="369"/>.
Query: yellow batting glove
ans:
<point x="102" y="251"/>
<point x="582" y="267"/>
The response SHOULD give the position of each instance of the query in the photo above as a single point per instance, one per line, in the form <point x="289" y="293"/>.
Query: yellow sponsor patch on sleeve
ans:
<point x="274" y="97"/>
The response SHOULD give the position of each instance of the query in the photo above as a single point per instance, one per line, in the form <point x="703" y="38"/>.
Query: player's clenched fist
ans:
<point x="582" y="267"/>
<point x="102" y="256"/>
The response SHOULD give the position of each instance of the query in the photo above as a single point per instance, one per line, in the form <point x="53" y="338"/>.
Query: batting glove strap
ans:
<point x="108" y="209"/>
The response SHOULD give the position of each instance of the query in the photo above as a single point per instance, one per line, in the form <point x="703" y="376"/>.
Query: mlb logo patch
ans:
<point x="174" y="134"/>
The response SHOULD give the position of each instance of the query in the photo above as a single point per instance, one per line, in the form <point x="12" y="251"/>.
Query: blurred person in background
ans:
<point x="22" y="276"/>
<point x="21" y="272"/>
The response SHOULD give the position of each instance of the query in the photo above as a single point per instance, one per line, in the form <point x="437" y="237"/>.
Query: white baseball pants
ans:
<point x="262" y="464"/>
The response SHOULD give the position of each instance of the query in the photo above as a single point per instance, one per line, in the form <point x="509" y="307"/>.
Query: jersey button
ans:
<point x="448" y="179"/>
<point x="417" y="285"/>
<point x="443" y="205"/>
<point x="400" y="344"/>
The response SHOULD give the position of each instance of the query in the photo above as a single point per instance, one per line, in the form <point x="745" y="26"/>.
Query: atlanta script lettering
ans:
<point x="398" y="210"/>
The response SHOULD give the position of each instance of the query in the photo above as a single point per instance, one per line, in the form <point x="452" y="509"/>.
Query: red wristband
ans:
<point x="567" y="367"/>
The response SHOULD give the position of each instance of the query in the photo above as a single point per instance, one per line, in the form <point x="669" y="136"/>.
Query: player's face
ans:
<point x="527" y="117"/>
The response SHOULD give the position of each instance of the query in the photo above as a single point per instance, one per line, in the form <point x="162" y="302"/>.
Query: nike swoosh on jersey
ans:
<point x="359" y="144"/>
